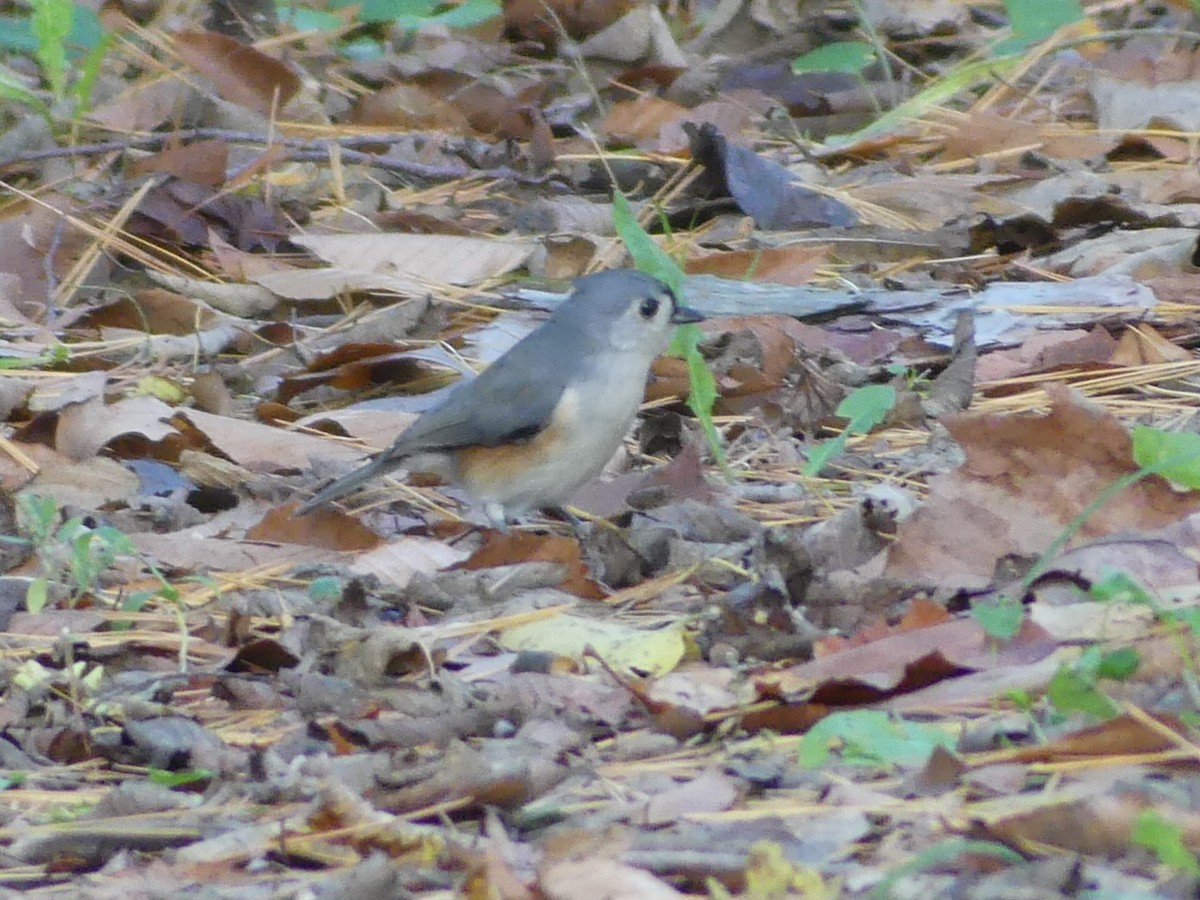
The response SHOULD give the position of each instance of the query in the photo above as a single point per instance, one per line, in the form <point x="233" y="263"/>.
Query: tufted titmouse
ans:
<point x="547" y="415"/>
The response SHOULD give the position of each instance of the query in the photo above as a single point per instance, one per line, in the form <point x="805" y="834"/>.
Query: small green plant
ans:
<point x="405" y="14"/>
<point x="70" y="812"/>
<point x="179" y="779"/>
<point x="850" y="57"/>
<point x="1165" y="840"/>
<point x="68" y="44"/>
<point x="1171" y="455"/>
<point x="54" y="355"/>
<point x="1030" y="21"/>
<point x="1123" y="587"/>
<point x="11" y="780"/>
<point x="865" y="408"/>
<point x="1076" y="687"/>
<point x="1033" y="21"/>
<point x="914" y="379"/>
<point x="999" y="617"/>
<point x="51" y="24"/>
<point x="77" y="555"/>
<point x="871" y="737"/>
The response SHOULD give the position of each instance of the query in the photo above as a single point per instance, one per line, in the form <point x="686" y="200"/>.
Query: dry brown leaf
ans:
<point x="408" y="106"/>
<point x="417" y="259"/>
<point x="85" y="428"/>
<point x="1046" y="351"/>
<point x="707" y="792"/>
<point x="1027" y="476"/>
<point x="641" y="35"/>
<point x="1143" y="345"/>
<point x="156" y="311"/>
<point x="906" y="661"/>
<point x="196" y="551"/>
<point x="91" y="484"/>
<point x="535" y="20"/>
<point x="639" y="121"/>
<point x="240" y="73"/>
<point x="396" y="562"/>
<point x="1099" y="825"/>
<point x="201" y="161"/>
<point x="261" y="448"/>
<point x="500" y="549"/>
<point x="326" y="528"/>
<point x="578" y="880"/>
<point x="60" y="393"/>
<point x="796" y="264"/>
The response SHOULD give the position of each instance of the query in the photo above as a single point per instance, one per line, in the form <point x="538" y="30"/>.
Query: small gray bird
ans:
<point x="546" y="416"/>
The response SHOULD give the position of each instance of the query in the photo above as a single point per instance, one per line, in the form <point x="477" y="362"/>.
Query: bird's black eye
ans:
<point x="649" y="307"/>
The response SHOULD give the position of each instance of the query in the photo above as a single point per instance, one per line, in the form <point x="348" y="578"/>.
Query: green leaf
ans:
<point x="93" y="679"/>
<point x="1036" y="20"/>
<point x="37" y="595"/>
<point x="137" y="600"/>
<point x="17" y="362"/>
<point x="37" y="515"/>
<point x="865" y="408"/>
<point x="414" y="13"/>
<point x="303" y="18"/>
<point x="362" y="48"/>
<point x="376" y="11"/>
<point x="117" y="541"/>
<point x="961" y="78"/>
<point x="850" y="57"/>
<point x="1171" y="454"/>
<point x="1113" y="586"/>
<point x="1118" y="664"/>
<point x="16" y="35"/>
<point x="16" y="32"/>
<point x="1072" y="690"/>
<point x="178" y="779"/>
<point x="1189" y="618"/>
<point x="820" y="455"/>
<point x="51" y="24"/>
<point x="1000" y="619"/>
<point x="1020" y="699"/>
<point x="871" y="737"/>
<point x="1165" y="840"/>
<point x="647" y="255"/>
<point x="89" y="71"/>
<point x="87" y="31"/>
<point x="469" y="14"/>
<point x="328" y="588"/>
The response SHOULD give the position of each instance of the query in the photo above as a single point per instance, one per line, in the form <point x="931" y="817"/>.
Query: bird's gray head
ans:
<point x="626" y="310"/>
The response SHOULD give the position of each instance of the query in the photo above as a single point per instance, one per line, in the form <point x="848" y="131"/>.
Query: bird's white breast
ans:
<point x="588" y="425"/>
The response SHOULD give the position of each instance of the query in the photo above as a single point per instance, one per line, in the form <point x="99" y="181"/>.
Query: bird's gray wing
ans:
<point x="511" y="400"/>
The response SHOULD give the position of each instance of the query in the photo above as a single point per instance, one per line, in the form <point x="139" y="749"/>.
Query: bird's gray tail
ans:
<point x="346" y="484"/>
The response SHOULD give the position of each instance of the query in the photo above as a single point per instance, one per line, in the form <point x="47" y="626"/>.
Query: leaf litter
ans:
<point x="261" y="245"/>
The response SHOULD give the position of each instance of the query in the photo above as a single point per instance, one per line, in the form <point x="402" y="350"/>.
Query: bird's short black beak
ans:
<point x="683" y="315"/>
